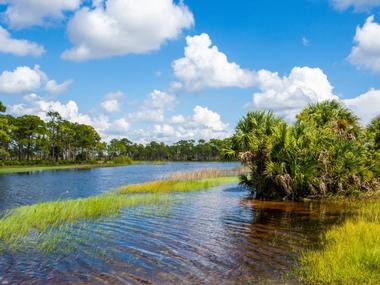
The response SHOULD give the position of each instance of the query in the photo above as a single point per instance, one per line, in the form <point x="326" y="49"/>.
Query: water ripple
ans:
<point x="211" y="237"/>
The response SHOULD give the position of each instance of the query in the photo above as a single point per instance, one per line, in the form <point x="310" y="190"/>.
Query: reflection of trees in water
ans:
<point x="301" y="217"/>
<point x="269" y="235"/>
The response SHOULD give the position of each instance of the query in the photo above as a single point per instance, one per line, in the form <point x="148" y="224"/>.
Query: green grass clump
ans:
<point x="206" y="173"/>
<point x="351" y="252"/>
<point x="165" y="186"/>
<point x="23" y="221"/>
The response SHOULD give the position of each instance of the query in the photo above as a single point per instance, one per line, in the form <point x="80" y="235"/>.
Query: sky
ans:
<point x="169" y="70"/>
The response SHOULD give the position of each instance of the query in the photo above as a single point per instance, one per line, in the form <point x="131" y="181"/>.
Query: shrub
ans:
<point x="122" y="160"/>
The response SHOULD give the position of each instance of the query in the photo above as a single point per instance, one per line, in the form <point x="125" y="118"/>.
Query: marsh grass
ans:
<point x="166" y="186"/>
<point x="36" y="219"/>
<point x="350" y="253"/>
<point x="205" y="173"/>
<point x="32" y="222"/>
<point x="24" y="169"/>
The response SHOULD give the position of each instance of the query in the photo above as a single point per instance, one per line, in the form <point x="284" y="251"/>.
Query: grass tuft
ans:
<point x="206" y="173"/>
<point x="351" y="252"/>
<point x="166" y="186"/>
<point x="23" y="221"/>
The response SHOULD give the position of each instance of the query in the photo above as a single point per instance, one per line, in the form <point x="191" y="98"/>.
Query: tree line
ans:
<point x="28" y="139"/>
<point x="325" y="152"/>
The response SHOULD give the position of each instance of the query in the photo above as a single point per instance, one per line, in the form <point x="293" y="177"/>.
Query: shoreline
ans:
<point x="4" y="170"/>
<point x="14" y="169"/>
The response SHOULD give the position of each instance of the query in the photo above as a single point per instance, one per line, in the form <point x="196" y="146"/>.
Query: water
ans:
<point x="209" y="237"/>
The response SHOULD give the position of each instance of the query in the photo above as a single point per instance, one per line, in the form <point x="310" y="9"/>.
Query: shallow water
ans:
<point x="210" y="237"/>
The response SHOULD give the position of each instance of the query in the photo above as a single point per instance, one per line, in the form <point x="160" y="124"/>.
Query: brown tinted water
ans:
<point x="218" y="236"/>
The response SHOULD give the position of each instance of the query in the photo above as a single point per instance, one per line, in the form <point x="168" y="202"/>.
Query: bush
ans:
<point x="326" y="152"/>
<point x="122" y="160"/>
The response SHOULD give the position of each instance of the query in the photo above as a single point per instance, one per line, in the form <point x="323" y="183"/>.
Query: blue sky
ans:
<point x="125" y="70"/>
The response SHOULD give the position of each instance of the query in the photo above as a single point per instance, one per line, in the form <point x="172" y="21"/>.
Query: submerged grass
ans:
<point x="166" y="186"/>
<point x="21" y="223"/>
<point x="350" y="253"/>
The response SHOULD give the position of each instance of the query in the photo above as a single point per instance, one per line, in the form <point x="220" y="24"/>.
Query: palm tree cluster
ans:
<point x="325" y="152"/>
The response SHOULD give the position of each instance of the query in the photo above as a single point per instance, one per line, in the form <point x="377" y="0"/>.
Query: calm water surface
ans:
<point x="211" y="237"/>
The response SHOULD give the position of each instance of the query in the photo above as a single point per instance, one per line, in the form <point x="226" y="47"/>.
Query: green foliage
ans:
<point x="184" y="150"/>
<point x="326" y="152"/>
<point x="2" y="107"/>
<point x="332" y="115"/>
<point x="122" y="160"/>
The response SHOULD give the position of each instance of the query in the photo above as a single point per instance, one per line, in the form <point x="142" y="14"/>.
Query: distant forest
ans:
<point x="30" y="140"/>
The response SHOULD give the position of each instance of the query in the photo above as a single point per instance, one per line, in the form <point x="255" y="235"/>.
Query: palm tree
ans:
<point x="253" y="141"/>
<point x="331" y="114"/>
<point x="324" y="152"/>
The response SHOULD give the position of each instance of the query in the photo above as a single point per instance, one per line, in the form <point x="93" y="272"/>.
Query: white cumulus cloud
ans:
<point x="117" y="128"/>
<point x="24" y="79"/>
<point x="121" y="125"/>
<point x="56" y="88"/>
<point x="112" y="102"/>
<point x="37" y="105"/>
<point x="366" y="105"/>
<point x="202" y="124"/>
<point x="153" y="108"/>
<point x="287" y="95"/>
<point x="119" y="27"/>
<point x="209" y="119"/>
<point x="26" y="13"/>
<point x="111" y="105"/>
<point x="177" y="119"/>
<point x="204" y="66"/>
<point x="366" y="52"/>
<point x="18" y="47"/>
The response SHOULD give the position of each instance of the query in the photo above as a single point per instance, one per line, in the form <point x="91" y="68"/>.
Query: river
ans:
<point x="219" y="236"/>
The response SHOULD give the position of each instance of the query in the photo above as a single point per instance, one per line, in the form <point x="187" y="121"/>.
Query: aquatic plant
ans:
<point x="162" y="186"/>
<point x="22" y="221"/>
<point x="206" y="173"/>
<point x="350" y="253"/>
